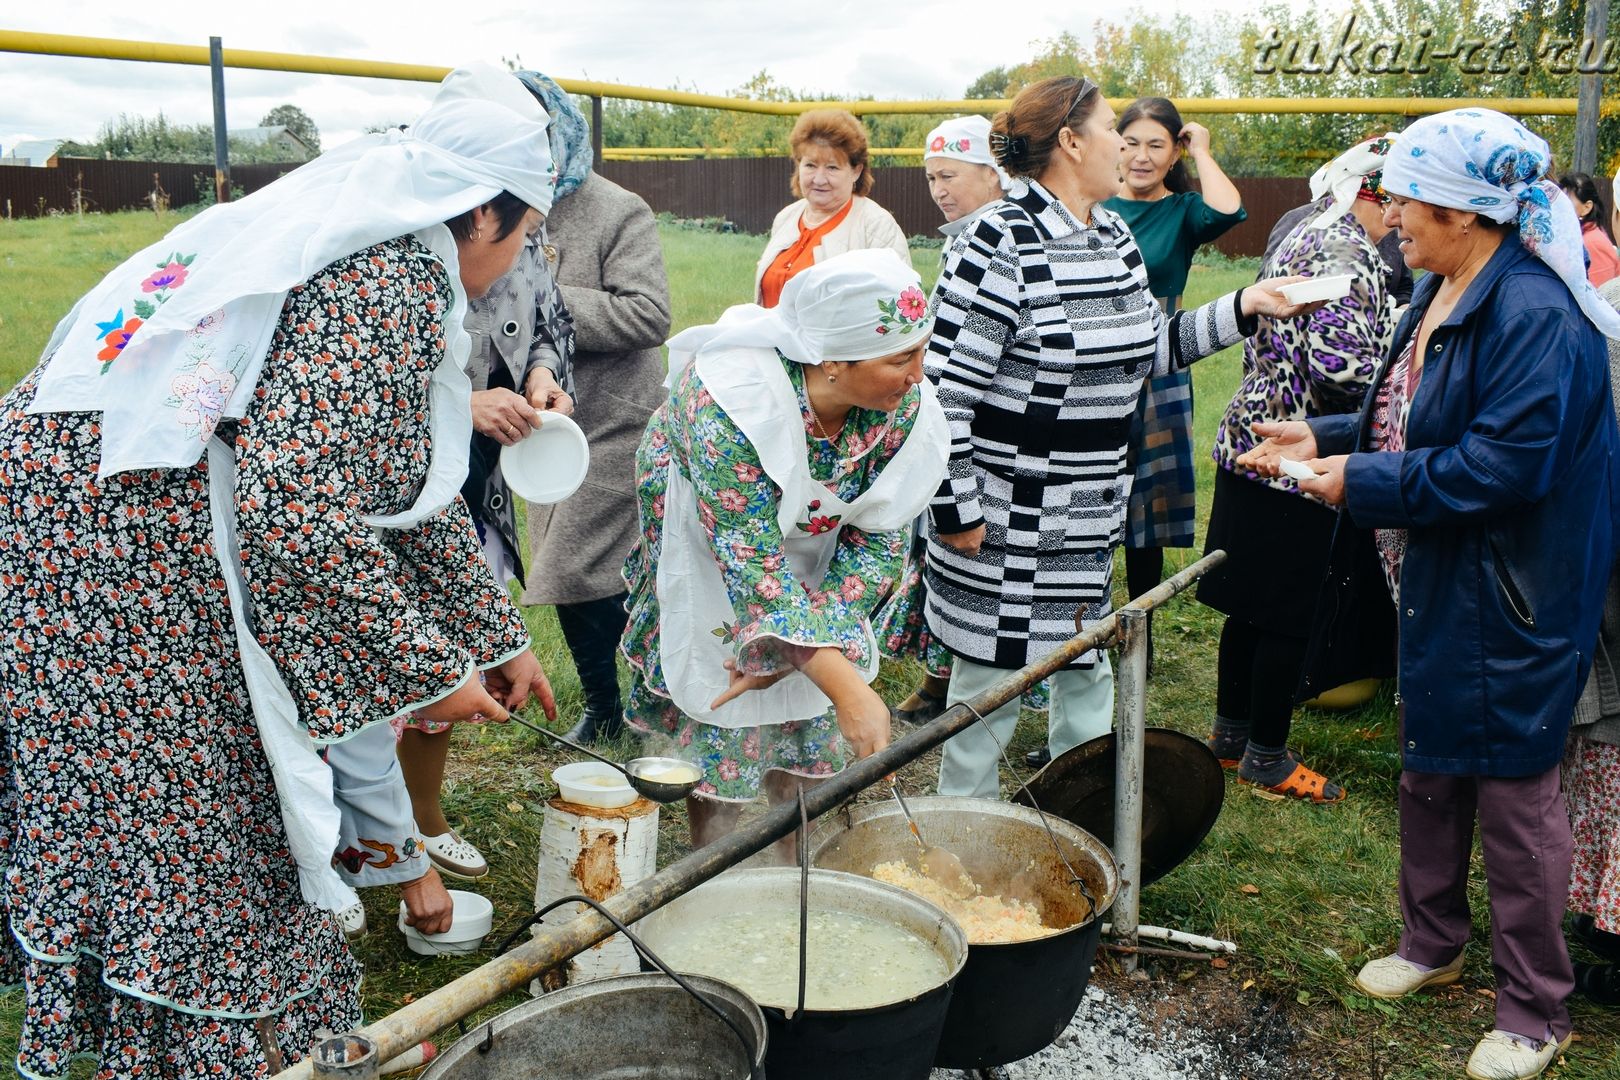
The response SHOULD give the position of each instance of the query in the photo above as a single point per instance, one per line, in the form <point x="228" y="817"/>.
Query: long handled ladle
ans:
<point x="937" y="863"/>
<point x="639" y="771"/>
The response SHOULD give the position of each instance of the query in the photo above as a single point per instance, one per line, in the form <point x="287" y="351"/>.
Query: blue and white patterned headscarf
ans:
<point x="1480" y="160"/>
<point x="570" y="134"/>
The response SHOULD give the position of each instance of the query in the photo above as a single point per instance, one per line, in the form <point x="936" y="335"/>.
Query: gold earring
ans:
<point x="478" y="233"/>
<point x="831" y="377"/>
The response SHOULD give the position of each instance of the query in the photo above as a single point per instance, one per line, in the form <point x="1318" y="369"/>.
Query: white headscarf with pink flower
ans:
<point x="965" y="138"/>
<point x="854" y="306"/>
<point x="173" y="341"/>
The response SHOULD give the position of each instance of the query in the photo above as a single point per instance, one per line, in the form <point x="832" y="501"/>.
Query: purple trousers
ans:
<point x="1524" y="830"/>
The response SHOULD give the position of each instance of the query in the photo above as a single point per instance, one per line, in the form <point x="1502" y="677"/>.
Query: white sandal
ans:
<point x="352" y="921"/>
<point x="455" y="856"/>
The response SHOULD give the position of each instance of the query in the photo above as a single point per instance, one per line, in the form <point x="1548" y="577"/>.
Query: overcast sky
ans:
<point x="886" y="48"/>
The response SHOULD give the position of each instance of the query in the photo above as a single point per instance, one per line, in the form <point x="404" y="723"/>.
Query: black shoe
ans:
<point x="604" y="726"/>
<point x="1583" y="928"/>
<point x="1038" y="759"/>
<point x="1599" y="983"/>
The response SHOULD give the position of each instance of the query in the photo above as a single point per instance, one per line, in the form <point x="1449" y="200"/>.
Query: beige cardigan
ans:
<point x="867" y="226"/>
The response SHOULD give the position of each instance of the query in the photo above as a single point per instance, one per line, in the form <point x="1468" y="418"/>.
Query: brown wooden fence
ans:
<point x="747" y="192"/>
<point x="116" y="185"/>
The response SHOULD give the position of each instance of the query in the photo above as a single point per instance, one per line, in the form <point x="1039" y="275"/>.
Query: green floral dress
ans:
<point x="737" y="507"/>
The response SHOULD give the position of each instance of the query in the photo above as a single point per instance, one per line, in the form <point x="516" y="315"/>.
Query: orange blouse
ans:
<point x="797" y="256"/>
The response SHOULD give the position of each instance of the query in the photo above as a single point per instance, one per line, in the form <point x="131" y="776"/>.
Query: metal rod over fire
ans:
<point x="554" y="944"/>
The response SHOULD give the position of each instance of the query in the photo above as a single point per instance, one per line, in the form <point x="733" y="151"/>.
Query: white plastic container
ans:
<point x="548" y="464"/>
<point x="1327" y="287"/>
<point x="469" y="925"/>
<point x="591" y="783"/>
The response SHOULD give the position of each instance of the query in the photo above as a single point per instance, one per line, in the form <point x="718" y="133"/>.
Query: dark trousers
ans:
<point x="1144" y="569"/>
<point x="1525" y="833"/>
<point x="592" y="630"/>
<point x="1256" y="673"/>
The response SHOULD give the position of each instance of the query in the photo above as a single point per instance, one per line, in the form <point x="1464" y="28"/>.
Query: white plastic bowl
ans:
<point x="469" y="925"/>
<point x="575" y="782"/>
<point x="1328" y="287"/>
<point x="550" y="463"/>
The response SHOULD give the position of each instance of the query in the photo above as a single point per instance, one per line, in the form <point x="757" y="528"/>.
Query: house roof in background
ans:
<point x="36" y="151"/>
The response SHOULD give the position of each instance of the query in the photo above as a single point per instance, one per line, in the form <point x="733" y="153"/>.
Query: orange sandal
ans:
<point x="1302" y="783"/>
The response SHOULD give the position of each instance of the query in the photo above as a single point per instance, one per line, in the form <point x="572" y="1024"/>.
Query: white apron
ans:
<point x="752" y="386"/>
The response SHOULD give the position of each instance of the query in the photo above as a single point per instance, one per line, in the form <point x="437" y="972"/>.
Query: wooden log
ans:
<point x="596" y="852"/>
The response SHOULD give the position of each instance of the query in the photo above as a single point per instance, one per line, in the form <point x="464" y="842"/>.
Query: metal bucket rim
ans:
<point x="750" y="1014"/>
<point x="901" y="896"/>
<point x="832" y="825"/>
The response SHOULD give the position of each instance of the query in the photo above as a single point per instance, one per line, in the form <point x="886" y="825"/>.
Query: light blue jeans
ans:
<point x="1082" y="709"/>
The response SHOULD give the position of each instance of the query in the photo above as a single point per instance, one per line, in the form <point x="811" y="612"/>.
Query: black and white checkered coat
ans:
<point x="1044" y="333"/>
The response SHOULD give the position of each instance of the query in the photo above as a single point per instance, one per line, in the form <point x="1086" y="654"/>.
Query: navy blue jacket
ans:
<point x="1508" y="488"/>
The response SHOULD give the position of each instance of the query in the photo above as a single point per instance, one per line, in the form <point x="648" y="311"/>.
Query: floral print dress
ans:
<point x="737" y="506"/>
<point x="154" y="913"/>
<point x="1591" y="777"/>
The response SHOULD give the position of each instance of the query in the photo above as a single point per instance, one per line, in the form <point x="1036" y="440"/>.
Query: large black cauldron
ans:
<point x="1012" y="999"/>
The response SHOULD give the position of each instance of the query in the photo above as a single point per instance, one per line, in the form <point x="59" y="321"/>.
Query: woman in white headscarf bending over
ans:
<point x="230" y="534"/>
<point x="777" y="487"/>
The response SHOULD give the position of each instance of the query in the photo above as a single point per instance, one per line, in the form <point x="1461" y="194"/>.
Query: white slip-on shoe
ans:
<point x="1392" y="976"/>
<point x="1501" y="1056"/>
<point x="455" y="856"/>
<point x="352" y="921"/>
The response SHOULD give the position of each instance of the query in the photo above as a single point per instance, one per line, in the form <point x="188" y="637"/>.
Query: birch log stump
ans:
<point x="596" y="852"/>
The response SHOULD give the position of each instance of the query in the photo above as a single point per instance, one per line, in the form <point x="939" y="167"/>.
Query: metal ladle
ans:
<point x="637" y="771"/>
<point x="937" y="863"/>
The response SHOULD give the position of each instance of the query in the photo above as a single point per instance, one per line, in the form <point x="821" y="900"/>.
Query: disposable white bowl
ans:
<point x="570" y="781"/>
<point x="1329" y="287"/>
<point x="469" y="925"/>
<point x="550" y="463"/>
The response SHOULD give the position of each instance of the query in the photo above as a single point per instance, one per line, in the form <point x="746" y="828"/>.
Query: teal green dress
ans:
<point x="1163" y="501"/>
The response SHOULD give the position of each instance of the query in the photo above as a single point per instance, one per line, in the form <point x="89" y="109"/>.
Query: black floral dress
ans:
<point x="154" y="911"/>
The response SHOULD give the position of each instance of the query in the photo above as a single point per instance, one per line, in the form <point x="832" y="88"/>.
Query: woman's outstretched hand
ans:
<point x="1262" y="298"/>
<point x="1291" y="439"/>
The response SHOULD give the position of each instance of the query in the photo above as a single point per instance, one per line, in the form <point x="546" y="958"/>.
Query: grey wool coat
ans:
<point x="610" y="266"/>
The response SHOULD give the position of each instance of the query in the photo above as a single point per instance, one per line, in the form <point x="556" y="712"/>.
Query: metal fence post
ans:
<point x="1130" y="713"/>
<point x="1589" y="96"/>
<point x="596" y="128"/>
<point x="222" y="164"/>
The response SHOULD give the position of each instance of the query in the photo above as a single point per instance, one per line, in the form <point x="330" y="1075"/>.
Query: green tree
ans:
<point x="139" y="138"/>
<point x="992" y="84"/>
<point x="296" y="121"/>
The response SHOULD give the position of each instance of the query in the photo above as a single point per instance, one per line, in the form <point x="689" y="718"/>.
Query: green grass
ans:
<point x="1325" y="875"/>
